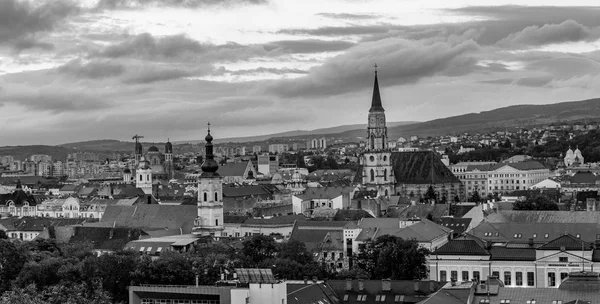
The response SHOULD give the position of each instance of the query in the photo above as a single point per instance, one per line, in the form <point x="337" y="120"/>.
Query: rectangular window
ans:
<point x="551" y="279"/>
<point x="443" y="276"/>
<point x="454" y="275"/>
<point x="465" y="276"/>
<point x="563" y="276"/>
<point x="519" y="278"/>
<point x="563" y="259"/>
<point x="476" y="276"/>
<point x="496" y="274"/>
<point x="507" y="278"/>
<point x="530" y="279"/>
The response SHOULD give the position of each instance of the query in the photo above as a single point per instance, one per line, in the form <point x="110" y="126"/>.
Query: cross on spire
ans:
<point x="375" y="66"/>
<point x="209" y="127"/>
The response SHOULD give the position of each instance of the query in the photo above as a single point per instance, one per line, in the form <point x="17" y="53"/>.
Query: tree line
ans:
<point x="44" y="271"/>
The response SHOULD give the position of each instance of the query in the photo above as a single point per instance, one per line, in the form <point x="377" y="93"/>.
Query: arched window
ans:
<point x="385" y="176"/>
<point x="216" y="196"/>
<point x="372" y="175"/>
<point x="141" y="177"/>
<point x="205" y="196"/>
<point x="217" y="222"/>
<point x="386" y="192"/>
<point x="147" y="177"/>
<point x="372" y="141"/>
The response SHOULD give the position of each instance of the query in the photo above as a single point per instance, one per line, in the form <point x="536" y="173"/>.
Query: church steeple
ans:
<point x="376" y="129"/>
<point x="376" y="101"/>
<point x="210" y="166"/>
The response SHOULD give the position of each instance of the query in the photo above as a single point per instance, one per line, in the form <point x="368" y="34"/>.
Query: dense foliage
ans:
<point x="537" y="202"/>
<point x="43" y="271"/>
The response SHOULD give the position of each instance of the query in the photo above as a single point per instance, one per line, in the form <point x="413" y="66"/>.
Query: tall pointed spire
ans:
<point x="376" y="101"/>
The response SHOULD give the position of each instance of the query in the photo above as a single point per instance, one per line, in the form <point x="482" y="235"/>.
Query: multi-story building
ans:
<point x="278" y="148"/>
<point x="506" y="178"/>
<point x="268" y="164"/>
<point x="6" y="160"/>
<point x="40" y="158"/>
<point x="256" y="149"/>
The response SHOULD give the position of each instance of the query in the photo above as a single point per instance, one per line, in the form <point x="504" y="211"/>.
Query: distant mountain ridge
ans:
<point x="506" y="117"/>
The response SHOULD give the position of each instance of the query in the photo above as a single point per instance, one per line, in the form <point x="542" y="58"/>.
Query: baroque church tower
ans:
<point x="210" y="196"/>
<point x="376" y="160"/>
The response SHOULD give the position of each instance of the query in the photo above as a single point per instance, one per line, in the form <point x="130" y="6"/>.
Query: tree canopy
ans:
<point x="538" y="202"/>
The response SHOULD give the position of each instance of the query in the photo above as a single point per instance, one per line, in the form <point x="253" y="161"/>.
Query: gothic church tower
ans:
<point x="210" y="196"/>
<point x="376" y="160"/>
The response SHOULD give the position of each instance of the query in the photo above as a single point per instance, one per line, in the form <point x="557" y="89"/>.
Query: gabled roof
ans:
<point x="523" y="166"/>
<point x="233" y="169"/>
<point x="333" y="240"/>
<point x="423" y="231"/>
<point x="566" y="242"/>
<point x="324" y="192"/>
<point x="584" y="178"/>
<point x="507" y="253"/>
<point x="457" y="224"/>
<point x="551" y="217"/>
<point x="106" y="238"/>
<point x="312" y="233"/>
<point x="173" y="219"/>
<point x="311" y="294"/>
<point x="421" y="167"/>
<point x="539" y="232"/>
<point x="406" y="291"/>
<point x="246" y="190"/>
<point x="463" y="246"/>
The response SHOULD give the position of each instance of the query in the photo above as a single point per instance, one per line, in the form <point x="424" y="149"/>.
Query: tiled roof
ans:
<point x="106" y="238"/>
<point x="311" y="233"/>
<point x="174" y="219"/>
<point x="421" y="167"/>
<point x="482" y="168"/>
<point x="233" y="169"/>
<point x="37" y="224"/>
<point x="407" y="291"/>
<point x="540" y="233"/>
<point x="351" y="215"/>
<point x="333" y="240"/>
<point x="324" y="192"/>
<point x="567" y="242"/>
<point x="423" y="231"/>
<point x="540" y="295"/>
<point x="463" y="246"/>
<point x="311" y="294"/>
<point x="246" y="190"/>
<point x="458" y="225"/>
<point x="420" y="211"/>
<point x="523" y="166"/>
<point x="584" y="178"/>
<point x="555" y="217"/>
<point x="18" y="197"/>
<point x="502" y="253"/>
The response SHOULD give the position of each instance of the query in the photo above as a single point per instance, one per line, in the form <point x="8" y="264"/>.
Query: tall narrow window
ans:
<point x="507" y="278"/>
<point x="372" y="175"/>
<point x="530" y="279"/>
<point x="216" y="196"/>
<point x="141" y="177"/>
<point x="519" y="278"/>
<point x="205" y="196"/>
<point x="551" y="279"/>
<point x="217" y="222"/>
<point x="385" y="174"/>
<point x="443" y="276"/>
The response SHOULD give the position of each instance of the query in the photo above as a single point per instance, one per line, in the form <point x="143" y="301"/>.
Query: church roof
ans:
<point x="233" y="169"/>
<point x="376" y="101"/>
<point x="153" y="149"/>
<point x="421" y="167"/>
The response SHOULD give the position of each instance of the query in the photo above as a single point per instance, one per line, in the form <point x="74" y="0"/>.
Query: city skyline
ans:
<point x="73" y="71"/>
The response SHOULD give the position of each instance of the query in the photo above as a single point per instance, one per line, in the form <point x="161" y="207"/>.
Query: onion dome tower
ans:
<point x="143" y="178"/>
<point x="210" y="196"/>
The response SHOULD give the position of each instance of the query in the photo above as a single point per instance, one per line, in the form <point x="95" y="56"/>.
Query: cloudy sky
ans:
<point x="93" y="69"/>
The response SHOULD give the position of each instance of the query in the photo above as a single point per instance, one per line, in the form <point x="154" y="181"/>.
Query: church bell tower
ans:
<point x="376" y="160"/>
<point x="209" y="221"/>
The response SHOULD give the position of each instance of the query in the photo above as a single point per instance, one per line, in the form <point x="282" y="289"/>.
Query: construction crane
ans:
<point x="137" y="137"/>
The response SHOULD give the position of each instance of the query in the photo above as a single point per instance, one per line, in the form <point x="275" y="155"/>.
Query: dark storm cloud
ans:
<point x="401" y="62"/>
<point x="55" y="100"/>
<point x="262" y="70"/>
<point x="309" y="45"/>
<point x="536" y="81"/>
<point x="93" y="69"/>
<point x="20" y="21"/>
<point x="567" y="31"/>
<point x="152" y="74"/>
<point x="149" y="47"/>
<point x="132" y="4"/>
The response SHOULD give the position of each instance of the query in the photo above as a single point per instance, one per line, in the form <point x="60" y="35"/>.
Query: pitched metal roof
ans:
<point x="233" y="169"/>
<point x="566" y="242"/>
<point x="463" y="246"/>
<point x="421" y="167"/>
<point x="554" y="217"/>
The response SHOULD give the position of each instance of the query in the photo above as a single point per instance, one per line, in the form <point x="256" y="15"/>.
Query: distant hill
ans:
<point x="507" y="117"/>
<point x="108" y="145"/>
<point x="24" y="152"/>
<point x="298" y="133"/>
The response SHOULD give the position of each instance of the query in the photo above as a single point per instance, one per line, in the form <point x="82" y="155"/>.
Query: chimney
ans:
<point x="386" y="285"/>
<point x="361" y="285"/>
<point x="348" y="284"/>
